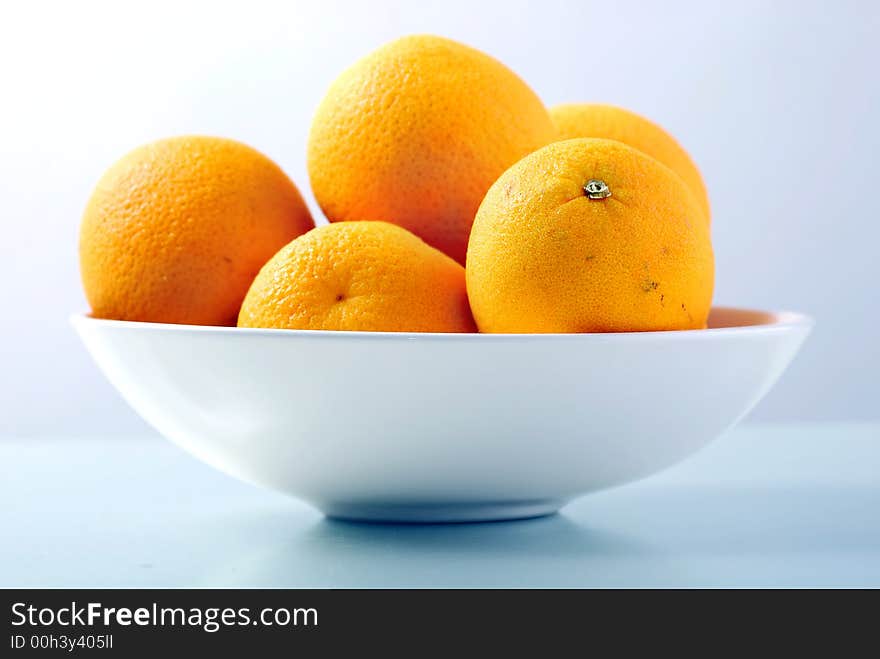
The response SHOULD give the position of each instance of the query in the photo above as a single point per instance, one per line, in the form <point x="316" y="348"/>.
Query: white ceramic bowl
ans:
<point x="443" y="427"/>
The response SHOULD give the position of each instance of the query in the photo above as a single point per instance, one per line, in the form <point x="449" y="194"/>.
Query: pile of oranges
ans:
<point x="457" y="202"/>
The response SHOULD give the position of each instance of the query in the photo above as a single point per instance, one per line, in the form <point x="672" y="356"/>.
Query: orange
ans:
<point x="614" y="123"/>
<point x="546" y="255"/>
<point x="370" y="276"/>
<point x="176" y="230"/>
<point x="416" y="132"/>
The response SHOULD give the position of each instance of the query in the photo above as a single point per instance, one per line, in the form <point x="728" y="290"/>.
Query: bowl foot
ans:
<point x="432" y="513"/>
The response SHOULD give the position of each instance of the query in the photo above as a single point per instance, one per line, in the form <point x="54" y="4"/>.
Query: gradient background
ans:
<point x="778" y="102"/>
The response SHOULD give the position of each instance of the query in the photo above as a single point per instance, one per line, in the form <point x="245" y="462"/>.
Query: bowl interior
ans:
<point x="721" y="317"/>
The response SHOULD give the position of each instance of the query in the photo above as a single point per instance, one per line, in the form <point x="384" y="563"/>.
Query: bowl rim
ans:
<point x="781" y="321"/>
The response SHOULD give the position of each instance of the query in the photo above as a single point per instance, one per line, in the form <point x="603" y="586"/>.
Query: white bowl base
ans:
<point x="495" y="511"/>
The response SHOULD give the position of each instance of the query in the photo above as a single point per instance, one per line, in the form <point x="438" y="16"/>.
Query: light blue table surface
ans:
<point x="763" y="506"/>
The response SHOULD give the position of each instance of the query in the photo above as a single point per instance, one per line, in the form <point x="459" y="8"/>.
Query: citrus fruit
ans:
<point x="177" y="229"/>
<point x="416" y="132"/>
<point x="370" y="276"/>
<point x="589" y="235"/>
<point x="614" y="123"/>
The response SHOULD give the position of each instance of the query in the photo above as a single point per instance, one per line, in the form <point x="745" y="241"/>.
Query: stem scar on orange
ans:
<point x="574" y="120"/>
<point x="589" y="235"/>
